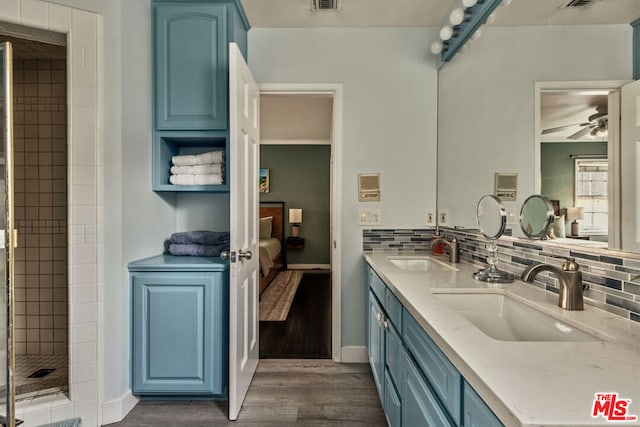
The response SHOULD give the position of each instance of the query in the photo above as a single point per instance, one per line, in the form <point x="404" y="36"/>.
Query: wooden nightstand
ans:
<point x="578" y="237"/>
<point x="295" y="242"/>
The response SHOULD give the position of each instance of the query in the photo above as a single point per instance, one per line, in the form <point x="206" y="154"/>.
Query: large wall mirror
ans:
<point x="540" y="95"/>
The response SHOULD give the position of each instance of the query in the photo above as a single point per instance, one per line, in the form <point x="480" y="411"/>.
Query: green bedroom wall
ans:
<point x="299" y="175"/>
<point x="557" y="168"/>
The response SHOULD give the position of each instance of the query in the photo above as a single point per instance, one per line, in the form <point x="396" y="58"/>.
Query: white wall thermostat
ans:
<point x="369" y="187"/>
<point x="506" y="186"/>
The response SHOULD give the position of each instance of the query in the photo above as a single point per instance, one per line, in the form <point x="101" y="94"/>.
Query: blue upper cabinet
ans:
<point x="191" y="56"/>
<point x="191" y="83"/>
<point x="191" y="62"/>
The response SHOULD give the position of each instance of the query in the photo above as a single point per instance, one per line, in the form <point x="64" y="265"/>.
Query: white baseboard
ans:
<point x="308" y="266"/>
<point x="355" y="354"/>
<point x="115" y="410"/>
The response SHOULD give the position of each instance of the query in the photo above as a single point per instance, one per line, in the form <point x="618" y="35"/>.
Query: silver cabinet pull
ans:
<point x="244" y="254"/>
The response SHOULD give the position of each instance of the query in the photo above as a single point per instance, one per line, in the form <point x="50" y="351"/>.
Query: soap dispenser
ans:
<point x="437" y="244"/>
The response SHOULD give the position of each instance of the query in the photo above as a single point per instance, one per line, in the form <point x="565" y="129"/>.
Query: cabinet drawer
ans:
<point x="420" y="407"/>
<point x="377" y="285"/>
<point x="476" y="412"/>
<point x="445" y="380"/>
<point x="392" y="405"/>
<point x="394" y="309"/>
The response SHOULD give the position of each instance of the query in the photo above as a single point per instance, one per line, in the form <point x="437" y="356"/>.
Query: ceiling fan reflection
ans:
<point x="596" y="126"/>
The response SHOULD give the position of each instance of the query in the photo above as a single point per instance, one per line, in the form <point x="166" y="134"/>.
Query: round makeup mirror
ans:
<point x="492" y="220"/>
<point x="492" y="217"/>
<point x="536" y="216"/>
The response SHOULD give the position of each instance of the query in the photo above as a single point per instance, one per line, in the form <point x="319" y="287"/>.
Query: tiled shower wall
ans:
<point x="613" y="277"/>
<point x="40" y="146"/>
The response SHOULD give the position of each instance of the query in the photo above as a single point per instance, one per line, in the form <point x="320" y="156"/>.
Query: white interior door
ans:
<point x="244" y="129"/>
<point x="630" y="166"/>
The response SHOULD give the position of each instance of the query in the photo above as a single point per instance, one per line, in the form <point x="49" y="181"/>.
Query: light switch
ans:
<point x="370" y="216"/>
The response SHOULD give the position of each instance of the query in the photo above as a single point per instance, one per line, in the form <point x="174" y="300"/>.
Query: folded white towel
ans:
<point x="198" y="159"/>
<point x="211" y="157"/>
<point x="205" y="179"/>
<point x="217" y="168"/>
<point x="184" y="160"/>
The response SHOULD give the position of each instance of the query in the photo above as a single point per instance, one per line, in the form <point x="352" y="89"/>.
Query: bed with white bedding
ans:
<point x="271" y="240"/>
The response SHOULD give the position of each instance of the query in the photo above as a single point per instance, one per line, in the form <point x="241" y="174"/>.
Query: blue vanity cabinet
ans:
<point x="384" y="346"/>
<point x="417" y="383"/>
<point x="191" y="82"/>
<point x="179" y="309"/>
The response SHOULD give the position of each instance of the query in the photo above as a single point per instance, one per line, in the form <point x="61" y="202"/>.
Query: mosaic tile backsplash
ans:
<point x="613" y="278"/>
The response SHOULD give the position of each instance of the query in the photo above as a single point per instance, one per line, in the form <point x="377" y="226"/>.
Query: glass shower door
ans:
<point x="7" y="236"/>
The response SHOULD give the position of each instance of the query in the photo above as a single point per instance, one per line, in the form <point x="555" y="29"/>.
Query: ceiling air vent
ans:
<point x="577" y="3"/>
<point x="324" y="4"/>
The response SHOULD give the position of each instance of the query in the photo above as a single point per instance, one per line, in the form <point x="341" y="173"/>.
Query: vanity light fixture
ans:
<point x="436" y="47"/>
<point x="458" y="16"/>
<point x="465" y="24"/>
<point x="446" y="32"/>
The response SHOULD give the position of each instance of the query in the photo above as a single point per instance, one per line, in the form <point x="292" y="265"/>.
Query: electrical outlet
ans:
<point x="430" y="217"/>
<point x="443" y="217"/>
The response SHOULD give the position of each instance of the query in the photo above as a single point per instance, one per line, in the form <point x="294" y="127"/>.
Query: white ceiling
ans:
<point x="372" y="13"/>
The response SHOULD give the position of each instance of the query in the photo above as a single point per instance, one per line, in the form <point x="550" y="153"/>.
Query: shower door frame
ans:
<point x="10" y="233"/>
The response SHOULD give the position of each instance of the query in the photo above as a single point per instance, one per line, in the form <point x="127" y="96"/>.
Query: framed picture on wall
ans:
<point x="264" y="180"/>
<point x="556" y="207"/>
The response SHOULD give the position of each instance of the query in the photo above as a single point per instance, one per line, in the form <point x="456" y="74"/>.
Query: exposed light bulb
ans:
<point x="446" y="33"/>
<point x="469" y="3"/>
<point x="457" y="16"/>
<point x="477" y="34"/>
<point x="436" y="47"/>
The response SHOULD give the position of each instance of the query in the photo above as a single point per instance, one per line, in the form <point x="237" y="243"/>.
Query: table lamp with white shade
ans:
<point x="575" y="213"/>
<point x="295" y="219"/>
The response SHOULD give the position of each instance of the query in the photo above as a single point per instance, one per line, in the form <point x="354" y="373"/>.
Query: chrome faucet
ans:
<point x="454" y="248"/>
<point x="569" y="278"/>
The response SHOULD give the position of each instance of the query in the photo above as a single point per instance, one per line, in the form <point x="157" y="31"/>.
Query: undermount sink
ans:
<point x="506" y="319"/>
<point x="420" y="263"/>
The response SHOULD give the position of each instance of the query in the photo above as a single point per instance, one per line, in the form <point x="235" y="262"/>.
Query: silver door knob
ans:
<point x="228" y="255"/>
<point x="244" y="254"/>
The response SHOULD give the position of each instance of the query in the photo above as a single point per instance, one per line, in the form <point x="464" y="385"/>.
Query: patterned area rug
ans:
<point x="277" y="298"/>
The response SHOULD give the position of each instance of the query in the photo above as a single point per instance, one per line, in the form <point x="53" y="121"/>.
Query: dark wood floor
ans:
<point x="306" y="334"/>
<point x="283" y="392"/>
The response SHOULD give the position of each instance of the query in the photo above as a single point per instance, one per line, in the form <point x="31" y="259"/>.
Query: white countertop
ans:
<point x="525" y="383"/>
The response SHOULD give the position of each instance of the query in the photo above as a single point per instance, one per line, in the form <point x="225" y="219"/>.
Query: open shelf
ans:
<point x="169" y="144"/>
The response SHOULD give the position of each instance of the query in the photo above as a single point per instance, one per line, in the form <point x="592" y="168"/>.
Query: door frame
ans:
<point x="335" y="91"/>
<point x="613" y="141"/>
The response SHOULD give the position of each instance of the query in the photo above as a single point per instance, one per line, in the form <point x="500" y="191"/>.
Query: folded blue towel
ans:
<point x="192" y="249"/>
<point x="201" y="237"/>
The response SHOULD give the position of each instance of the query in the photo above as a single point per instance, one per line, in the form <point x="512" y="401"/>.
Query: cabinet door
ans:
<point x="476" y="412"/>
<point x="178" y="338"/>
<point x="392" y="405"/>
<point x="191" y="63"/>
<point x="420" y="406"/>
<point x="376" y="343"/>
